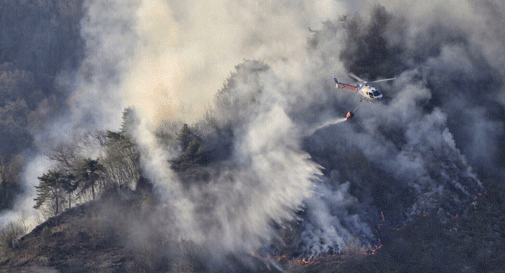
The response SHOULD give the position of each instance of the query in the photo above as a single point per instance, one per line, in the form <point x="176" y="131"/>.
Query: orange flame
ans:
<point x="379" y="246"/>
<point x="304" y="261"/>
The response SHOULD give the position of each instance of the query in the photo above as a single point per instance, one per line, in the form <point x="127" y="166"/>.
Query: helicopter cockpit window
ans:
<point x="376" y="93"/>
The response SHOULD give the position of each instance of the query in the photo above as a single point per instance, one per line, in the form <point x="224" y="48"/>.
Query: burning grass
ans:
<point x="472" y="241"/>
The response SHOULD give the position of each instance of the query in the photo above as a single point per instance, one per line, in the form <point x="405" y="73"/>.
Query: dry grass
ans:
<point x="354" y="249"/>
<point x="10" y="234"/>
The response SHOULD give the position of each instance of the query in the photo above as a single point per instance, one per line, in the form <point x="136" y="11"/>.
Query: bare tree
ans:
<point x="66" y="155"/>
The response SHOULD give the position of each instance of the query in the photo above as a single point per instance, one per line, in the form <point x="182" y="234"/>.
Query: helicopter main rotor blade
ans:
<point x="385" y="80"/>
<point x="356" y="77"/>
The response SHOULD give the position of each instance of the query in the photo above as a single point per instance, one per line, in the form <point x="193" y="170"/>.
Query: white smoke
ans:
<point x="168" y="59"/>
<point x="265" y="180"/>
<point x="23" y="211"/>
<point x="330" y="227"/>
<point x="183" y="51"/>
<point x="95" y="102"/>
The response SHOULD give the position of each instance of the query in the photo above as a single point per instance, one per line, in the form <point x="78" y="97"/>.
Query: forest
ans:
<point x="411" y="184"/>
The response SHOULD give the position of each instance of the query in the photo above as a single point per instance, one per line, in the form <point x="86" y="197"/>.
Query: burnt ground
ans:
<point x="472" y="241"/>
<point x="78" y="240"/>
<point x="88" y="238"/>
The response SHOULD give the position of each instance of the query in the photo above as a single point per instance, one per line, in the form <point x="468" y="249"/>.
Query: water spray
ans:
<point x="328" y="123"/>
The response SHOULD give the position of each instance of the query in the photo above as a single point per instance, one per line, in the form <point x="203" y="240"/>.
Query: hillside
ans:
<point x="79" y="240"/>
<point x="268" y="176"/>
<point x="92" y="238"/>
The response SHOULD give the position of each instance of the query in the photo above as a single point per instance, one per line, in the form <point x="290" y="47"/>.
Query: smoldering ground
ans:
<point x="411" y="148"/>
<point x="419" y="151"/>
<point x="400" y="157"/>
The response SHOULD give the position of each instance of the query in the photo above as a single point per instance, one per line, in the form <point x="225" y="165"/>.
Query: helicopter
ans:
<point x="367" y="92"/>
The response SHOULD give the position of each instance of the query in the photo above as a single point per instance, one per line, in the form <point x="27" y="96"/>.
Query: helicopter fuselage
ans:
<point x="365" y="90"/>
<point x="369" y="92"/>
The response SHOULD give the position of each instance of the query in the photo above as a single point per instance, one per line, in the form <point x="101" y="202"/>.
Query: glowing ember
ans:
<point x="400" y="228"/>
<point x="376" y="248"/>
<point x="304" y="261"/>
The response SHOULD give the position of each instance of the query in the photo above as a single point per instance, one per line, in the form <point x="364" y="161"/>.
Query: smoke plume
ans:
<point x="418" y="151"/>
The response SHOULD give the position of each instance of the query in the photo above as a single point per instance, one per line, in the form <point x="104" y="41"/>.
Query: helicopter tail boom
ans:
<point x="345" y="85"/>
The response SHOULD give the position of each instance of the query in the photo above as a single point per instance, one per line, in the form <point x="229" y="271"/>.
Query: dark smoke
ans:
<point x="420" y="151"/>
<point x="423" y="150"/>
<point x="40" y="46"/>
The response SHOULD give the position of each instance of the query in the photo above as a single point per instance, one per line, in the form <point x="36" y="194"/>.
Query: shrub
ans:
<point x="10" y="234"/>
